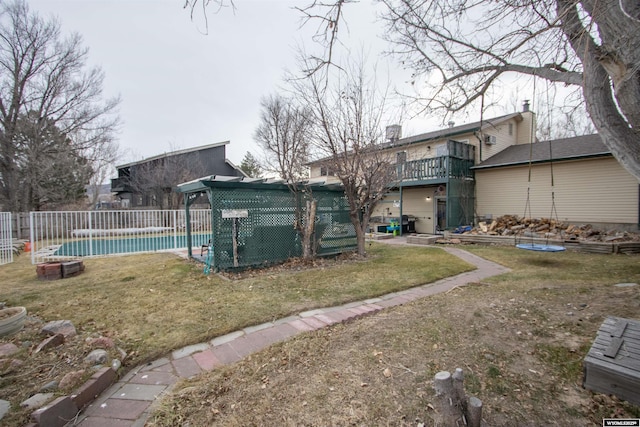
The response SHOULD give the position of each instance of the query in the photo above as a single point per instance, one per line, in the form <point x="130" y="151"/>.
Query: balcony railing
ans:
<point x="436" y="168"/>
<point x="120" y="184"/>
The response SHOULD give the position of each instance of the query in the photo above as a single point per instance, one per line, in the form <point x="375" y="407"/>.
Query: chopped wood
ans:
<point x="513" y="225"/>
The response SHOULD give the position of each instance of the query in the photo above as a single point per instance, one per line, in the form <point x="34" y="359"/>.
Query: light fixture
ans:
<point x="428" y="199"/>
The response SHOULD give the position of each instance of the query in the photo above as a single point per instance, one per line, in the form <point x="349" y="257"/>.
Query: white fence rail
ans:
<point x="69" y="235"/>
<point x="6" y="238"/>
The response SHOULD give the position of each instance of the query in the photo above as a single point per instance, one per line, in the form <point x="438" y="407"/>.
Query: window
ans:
<point x="326" y="171"/>
<point x="401" y="157"/>
<point x="510" y="128"/>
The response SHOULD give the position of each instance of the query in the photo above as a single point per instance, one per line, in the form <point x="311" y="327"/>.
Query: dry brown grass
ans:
<point x="520" y="337"/>
<point x="152" y="304"/>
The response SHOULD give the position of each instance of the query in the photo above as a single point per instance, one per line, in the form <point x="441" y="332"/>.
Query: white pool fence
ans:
<point x="6" y="240"/>
<point x="72" y="234"/>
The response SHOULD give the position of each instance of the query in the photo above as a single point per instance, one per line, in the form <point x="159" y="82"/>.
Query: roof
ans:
<point x="449" y="132"/>
<point x="559" y="149"/>
<point x="174" y="153"/>
<point x="202" y="184"/>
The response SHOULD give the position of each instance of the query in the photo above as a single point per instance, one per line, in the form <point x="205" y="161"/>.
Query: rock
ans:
<point x="16" y="363"/>
<point x="116" y="364"/>
<point x="70" y="379"/>
<point x="64" y="327"/>
<point x="97" y="357"/>
<point x="101" y="342"/>
<point x="51" y="342"/>
<point x="8" y="349"/>
<point x="37" y="400"/>
<point x="4" y="408"/>
<point x="625" y="285"/>
<point x="123" y="354"/>
<point x="50" y="386"/>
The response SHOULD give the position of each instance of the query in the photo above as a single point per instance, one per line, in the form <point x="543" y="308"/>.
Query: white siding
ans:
<point x="594" y="190"/>
<point x="503" y="140"/>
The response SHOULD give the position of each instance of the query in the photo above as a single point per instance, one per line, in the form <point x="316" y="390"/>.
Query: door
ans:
<point x="441" y="214"/>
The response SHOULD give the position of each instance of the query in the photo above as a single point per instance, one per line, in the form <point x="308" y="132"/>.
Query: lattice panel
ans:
<point x="256" y="227"/>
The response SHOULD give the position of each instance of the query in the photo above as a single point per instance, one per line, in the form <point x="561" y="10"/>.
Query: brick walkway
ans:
<point x="129" y="402"/>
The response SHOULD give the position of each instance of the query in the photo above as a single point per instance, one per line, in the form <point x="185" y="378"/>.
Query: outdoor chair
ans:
<point x="206" y="247"/>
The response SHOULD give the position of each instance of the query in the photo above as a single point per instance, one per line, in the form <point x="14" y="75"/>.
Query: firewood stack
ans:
<point x="513" y="225"/>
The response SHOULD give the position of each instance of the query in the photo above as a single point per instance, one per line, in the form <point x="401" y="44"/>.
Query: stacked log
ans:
<point x="548" y="228"/>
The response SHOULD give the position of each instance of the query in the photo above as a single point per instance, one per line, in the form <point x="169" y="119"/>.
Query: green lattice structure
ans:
<point x="252" y="220"/>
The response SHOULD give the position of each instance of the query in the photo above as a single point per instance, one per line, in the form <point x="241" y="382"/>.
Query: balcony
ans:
<point x="454" y="161"/>
<point x="436" y="169"/>
<point x="120" y="185"/>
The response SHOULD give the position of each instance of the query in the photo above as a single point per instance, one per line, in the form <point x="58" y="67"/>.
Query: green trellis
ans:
<point x="252" y="220"/>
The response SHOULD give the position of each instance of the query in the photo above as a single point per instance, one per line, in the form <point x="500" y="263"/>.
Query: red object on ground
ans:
<point x="27" y="247"/>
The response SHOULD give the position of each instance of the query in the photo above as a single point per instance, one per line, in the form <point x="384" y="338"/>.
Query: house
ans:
<point x="453" y="176"/>
<point x="589" y="185"/>
<point x="151" y="182"/>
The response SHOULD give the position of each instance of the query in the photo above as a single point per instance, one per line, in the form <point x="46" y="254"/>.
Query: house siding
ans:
<point x="586" y="191"/>
<point x="414" y="203"/>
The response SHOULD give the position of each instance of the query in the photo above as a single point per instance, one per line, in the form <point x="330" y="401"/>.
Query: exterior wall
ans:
<point x="425" y="150"/>
<point x="586" y="191"/>
<point x="415" y="203"/>
<point x="526" y="129"/>
<point x="503" y="139"/>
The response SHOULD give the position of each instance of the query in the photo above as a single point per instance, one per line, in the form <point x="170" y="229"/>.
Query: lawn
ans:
<point x="151" y="304"/>
<point x="519" y="337"/>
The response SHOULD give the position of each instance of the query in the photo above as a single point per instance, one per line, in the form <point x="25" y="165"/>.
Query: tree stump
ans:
<point x="453" y="407"/>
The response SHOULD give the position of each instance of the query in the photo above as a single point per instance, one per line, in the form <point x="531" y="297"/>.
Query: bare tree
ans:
<point x="461" y="49"/>
<point x="284" y="134"/>
<point x="156" y="180"/>
<point x="348" y="134"/>
<point x="43" y="77"/>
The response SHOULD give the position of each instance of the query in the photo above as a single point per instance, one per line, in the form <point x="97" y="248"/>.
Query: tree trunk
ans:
<point x="307" y="229"/>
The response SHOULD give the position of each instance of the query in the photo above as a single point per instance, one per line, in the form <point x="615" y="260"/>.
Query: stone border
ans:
<point x="64" y="409"/>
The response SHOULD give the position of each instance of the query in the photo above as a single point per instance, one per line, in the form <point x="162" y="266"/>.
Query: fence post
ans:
<point x="31" y="239"/>
<point x="90" y="235"/>
<point x="175" y="229"/>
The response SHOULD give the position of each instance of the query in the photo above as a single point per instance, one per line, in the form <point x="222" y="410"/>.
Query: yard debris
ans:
<point x="514" y="225"/>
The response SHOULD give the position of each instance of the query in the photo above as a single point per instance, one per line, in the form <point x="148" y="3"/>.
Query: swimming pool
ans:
<point x="92" y="247"/>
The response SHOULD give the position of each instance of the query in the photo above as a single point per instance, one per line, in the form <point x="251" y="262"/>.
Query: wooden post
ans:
<point x="474" y="412"/>
<point x="458" y="386"/>
<point x="446" y="399"/>
<point x="234" y="238"/>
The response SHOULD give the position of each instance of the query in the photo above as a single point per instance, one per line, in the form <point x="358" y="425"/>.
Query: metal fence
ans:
<point x="6" y="239"/>
<point x="74" y="234"/>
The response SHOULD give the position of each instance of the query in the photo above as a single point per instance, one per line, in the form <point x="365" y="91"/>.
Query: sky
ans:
<point x="184" y="85"/>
